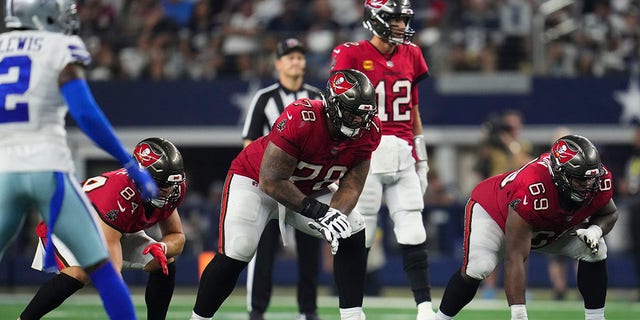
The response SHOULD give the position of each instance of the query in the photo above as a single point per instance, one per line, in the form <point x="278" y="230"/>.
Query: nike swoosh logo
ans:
<point x="289" y="116"/>
<point x="525" y="200"/>
<point x="336" y="51"/>
<point x="120" y="206"/>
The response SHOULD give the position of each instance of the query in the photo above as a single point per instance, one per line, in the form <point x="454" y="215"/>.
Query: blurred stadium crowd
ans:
<point x="205" y="39"/>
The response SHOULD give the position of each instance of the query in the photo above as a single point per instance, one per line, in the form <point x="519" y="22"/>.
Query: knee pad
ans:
<point x="479" y="268"/>
<point x="409" y="228"/>
<point x="241" y="247"/>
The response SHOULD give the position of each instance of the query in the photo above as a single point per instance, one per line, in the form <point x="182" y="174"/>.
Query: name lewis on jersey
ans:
<point x="13" y="44"/>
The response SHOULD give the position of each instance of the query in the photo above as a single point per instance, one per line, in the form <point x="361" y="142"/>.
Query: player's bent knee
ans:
<point x="77" y="273"/>
<point x="241" y="248"/>
<point x="480" y="268"/>
<point x="409" y="228"/>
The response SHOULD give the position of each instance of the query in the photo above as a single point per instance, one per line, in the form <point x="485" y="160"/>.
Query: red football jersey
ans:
<point x="302" y="132"/>
<point x="120" y="205"/>
<point x="531" y="192"/>
<point x="394" y="78"/>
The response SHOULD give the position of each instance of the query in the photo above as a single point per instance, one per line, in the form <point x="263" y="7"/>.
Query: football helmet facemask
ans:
<point x="164" y="162"/>
<point x="50" y="15"/>
<point x="576" y="169"/>
<point x="378" y="15"/>
<point x="350" y="102"/>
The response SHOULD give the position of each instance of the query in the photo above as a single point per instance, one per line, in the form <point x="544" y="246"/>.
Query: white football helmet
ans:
<point x="50" y="15"/>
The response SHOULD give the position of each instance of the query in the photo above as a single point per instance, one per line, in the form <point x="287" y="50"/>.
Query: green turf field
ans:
<point x="87" y="306"/>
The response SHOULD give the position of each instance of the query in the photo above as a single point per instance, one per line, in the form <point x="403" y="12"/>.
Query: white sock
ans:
<point x="194" y="316"/>
<point x="425" y="307"/>
<point x="442" y="316"/>
<point x="594" y="314"/>
<point x="352" y="314"/>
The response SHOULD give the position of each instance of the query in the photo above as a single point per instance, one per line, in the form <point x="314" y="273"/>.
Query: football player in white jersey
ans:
<point x="41" y="78"/>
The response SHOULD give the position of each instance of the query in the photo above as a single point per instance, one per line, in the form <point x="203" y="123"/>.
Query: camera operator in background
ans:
<point x="501" y="150"/>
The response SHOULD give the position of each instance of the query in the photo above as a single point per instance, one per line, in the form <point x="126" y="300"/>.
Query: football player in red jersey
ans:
<point x="399" y="165"/>
<point x="124" y="216"/>
<point x="559" y="203"/>
<point x="285" y="175"/>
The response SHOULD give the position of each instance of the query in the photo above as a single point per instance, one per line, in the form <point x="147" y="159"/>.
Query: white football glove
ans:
<point x="422" y="168"/>
<point x="336" y="222"/>
<point x="591" y="236"/>
<point x="327" y="235"/>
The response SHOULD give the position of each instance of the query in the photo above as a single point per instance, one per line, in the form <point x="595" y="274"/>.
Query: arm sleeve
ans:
<point x="91" y="120"/>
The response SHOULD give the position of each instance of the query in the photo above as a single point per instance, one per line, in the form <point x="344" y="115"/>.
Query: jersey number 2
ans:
<point x="15" y="73"/>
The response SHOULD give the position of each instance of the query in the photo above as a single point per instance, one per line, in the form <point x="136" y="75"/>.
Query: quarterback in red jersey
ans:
<point x="124" y="216"/>
<point x="285" y="175"/>
<point x="560" y="203"/>
<point x="399" y="165"/>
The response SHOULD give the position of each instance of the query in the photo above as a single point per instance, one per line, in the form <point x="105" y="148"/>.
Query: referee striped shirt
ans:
<point x="268" y="104"/>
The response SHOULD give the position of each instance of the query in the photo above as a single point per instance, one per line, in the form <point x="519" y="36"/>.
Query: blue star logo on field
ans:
<point x="630" y="101"/>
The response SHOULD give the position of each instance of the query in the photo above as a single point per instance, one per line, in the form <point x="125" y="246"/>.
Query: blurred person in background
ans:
<point x="124" y="215"/>
<point x="502" y="150"/>
<point x="266" y="107"/>
<point x="241" y="40"/>
<point x="47" y="61"/>
<point x="560" y="203"/>
<point x="399" y="166"/>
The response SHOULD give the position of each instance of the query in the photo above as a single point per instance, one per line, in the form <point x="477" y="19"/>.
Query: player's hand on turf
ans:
<point x="143" y="179"/>
<point x="591" y="236"/>
<point x="159" y="252"/>
<point x="327" y="235"/>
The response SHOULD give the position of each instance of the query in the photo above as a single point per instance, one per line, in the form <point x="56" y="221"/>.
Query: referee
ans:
<point x="266" y="106"/>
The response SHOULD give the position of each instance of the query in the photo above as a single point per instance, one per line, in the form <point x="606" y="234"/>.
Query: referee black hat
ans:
<point x="289" y="45"/>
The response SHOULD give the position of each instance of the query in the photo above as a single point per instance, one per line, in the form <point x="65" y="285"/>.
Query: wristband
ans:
<point x="421" y="149"/>
<point x="313" y="208"/>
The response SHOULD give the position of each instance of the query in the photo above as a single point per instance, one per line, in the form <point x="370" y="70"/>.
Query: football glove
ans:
<point x="591" y="236"/>
<point x="142" y="179"/>
<point x="422" y="168"/>
<point x="327" y="235"/>
<point x="336" y="222"/>
<point x="159" y="252"/>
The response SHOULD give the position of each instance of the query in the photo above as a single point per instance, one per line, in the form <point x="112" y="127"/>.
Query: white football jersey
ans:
<point x="32" y="110"/>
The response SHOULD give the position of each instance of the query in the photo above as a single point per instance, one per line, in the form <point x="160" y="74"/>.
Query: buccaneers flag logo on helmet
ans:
<point x="145" y="155"/>
<point x="562" y="152"/>
<point x="339" y="84"/>
<point x="376" y="3"/>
